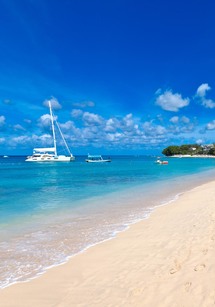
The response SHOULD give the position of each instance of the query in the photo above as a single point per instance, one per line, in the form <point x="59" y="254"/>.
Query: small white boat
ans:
<point x="158" y="161"/>
<point x="96" y="159"/>
<point x="5" y="157"/>
<point x="49" y="154"/>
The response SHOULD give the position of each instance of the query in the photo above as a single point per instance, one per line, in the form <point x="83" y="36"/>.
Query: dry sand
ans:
<point x="166" y="260"/>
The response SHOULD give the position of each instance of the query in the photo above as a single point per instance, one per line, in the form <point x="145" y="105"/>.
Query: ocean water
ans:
<point x="52" y="211"/>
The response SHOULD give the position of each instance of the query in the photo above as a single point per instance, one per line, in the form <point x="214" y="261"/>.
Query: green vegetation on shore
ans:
<point x="190" y="149"/>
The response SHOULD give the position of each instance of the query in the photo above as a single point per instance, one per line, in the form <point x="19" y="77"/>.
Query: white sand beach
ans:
<point x="165" y="260"/>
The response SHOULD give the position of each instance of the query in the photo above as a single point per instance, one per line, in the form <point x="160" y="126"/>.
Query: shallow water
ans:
<point x="51" y="211"/>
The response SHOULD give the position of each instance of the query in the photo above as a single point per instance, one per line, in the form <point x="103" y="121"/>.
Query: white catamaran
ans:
<point x="50" y="154"/>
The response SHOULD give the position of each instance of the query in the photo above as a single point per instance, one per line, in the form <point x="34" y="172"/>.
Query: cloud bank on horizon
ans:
<point x="86" y="129"/>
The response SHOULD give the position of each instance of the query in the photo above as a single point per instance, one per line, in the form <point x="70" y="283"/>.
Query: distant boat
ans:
<point x="49" y="154"/>
<point x="5" y="157"/>
<point x="159" y="161"/>
<point x="96" y="159"/>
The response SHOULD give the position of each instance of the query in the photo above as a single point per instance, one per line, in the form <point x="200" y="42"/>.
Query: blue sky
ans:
<point x="125" y="77"/>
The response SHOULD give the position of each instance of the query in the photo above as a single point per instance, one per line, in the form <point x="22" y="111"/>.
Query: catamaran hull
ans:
<point x="51" y="159"/>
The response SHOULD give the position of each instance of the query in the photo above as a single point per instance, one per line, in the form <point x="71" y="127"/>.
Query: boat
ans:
<point x="5" y="157"/>
<point x="96" y="159"/>
<point x="159" y="161"/>
<point x="49" y="154"/>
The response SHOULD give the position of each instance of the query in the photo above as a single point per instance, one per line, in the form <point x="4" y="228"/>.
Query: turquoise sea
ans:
<point x="52" y="211"/>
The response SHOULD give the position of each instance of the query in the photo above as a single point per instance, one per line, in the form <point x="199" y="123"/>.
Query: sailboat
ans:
<point x="49" y="154"/>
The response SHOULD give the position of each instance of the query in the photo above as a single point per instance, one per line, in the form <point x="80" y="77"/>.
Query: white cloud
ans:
<point x="114" y="137"/>
<point x="160" y="118"/>
<point x="171" y="102"/>
<point x="174" y="119"/>
<point x="2" y="140"/>
<point x="67" y="125"/>
<point x="18" y="127"/>
<point x="181" y="125"/>
<point x="211" y="125"/>
<point x="201" y="93"/>
<point x="112" y="124"/>
<point x="2" y="120"/>
<point x="188" y="127"/>
<point x="185" y="119"/>
<point x="20" y="140"/>
<point x="92" y="119"/>
<point x="45" y="139"/>
<point x="128" y="121"/>
<point x="44" y="121"/>
<point x="202" y="89"/>
<point x="160" y="130"/>
<point x="54" y="103"/>
<point x="153" y="130"/>
<point x="84" y="104"/>
<point x="42" y="140"/>
<point x="208" y="103"/>
<point x="76" y="113"/>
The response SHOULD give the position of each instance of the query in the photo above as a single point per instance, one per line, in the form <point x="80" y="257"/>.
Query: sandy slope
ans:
<point x="166" y="260"/>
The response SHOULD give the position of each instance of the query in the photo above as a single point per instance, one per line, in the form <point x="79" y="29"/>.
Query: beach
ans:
<point x="165" y="260"/>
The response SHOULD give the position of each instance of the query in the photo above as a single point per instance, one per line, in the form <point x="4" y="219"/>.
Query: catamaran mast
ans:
<point x="53" y="130"/>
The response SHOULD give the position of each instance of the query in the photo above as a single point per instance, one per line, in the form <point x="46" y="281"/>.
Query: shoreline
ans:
<point x="191" y="156"/>
<point x="170" y="254"/>
<point x="123" y="225"/>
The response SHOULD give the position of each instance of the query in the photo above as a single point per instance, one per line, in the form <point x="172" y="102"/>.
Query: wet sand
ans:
<point x="166" y="260"/>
